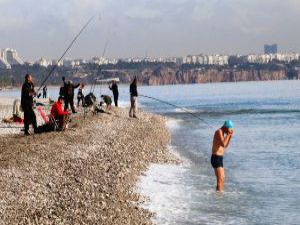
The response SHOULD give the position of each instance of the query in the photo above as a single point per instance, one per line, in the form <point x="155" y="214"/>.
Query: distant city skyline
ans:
<point x="9" y="57"/>
<point x="160" y="28"/>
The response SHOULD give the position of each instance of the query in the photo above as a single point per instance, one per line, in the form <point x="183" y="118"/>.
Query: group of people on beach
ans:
<point x="60" y="113"/>
<point x="60" y="109"/>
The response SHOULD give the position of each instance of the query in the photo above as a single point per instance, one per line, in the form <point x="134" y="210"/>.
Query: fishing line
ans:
<point x="176" y="106"/>
<point x="173" y="105"/>
<point x="65" y="52"/>
<point x="99" y="67"/>
<point x="11" y="127"/>
<point x="92" y="89"/>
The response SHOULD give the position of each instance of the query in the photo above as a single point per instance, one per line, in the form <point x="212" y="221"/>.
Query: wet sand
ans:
<point x="85" y="175"/>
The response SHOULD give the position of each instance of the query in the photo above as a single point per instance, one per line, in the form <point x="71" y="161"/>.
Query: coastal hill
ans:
<point x="155" y="73"/>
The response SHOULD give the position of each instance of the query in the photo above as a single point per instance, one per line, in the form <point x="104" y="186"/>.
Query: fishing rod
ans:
<point x="99" y="67"/>
<point x="65" y="52"/>
<point x="11" y="127"/>
<point x="176" y="106"/>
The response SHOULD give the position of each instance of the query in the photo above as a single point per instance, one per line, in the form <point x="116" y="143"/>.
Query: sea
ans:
<point x="262" y="162"/>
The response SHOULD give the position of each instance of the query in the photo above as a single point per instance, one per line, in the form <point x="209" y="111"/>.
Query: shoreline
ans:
<point x="86" y="174"/>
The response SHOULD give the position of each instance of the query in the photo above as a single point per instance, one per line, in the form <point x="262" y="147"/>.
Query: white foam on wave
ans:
<point x="178" y="195"/>
<point x="185" y="110"/>
<point x="157" y="186"/>
<point x="124" y="104"/>
<point x="185" y="162"/>
<point x="173" y="124"/>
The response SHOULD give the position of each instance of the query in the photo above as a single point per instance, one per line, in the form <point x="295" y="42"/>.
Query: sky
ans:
<point x="156" y="28"/>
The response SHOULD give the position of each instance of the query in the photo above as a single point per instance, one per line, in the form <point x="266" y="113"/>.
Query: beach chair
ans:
<point x="50" y="122"/>
<point x="53" y="121"/>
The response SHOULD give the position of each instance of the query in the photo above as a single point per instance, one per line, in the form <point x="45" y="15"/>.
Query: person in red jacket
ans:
<point x="59" y="114"/>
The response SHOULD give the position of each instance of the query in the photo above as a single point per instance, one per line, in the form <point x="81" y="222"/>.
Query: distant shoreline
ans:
<point x="156" y="73"/>
<point x="144" y="85"/>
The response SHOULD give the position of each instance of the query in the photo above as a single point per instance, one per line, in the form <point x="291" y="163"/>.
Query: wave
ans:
<point x="233" y="112"/>
<point x="184" y="110"/>
<point x="173" y="124"/>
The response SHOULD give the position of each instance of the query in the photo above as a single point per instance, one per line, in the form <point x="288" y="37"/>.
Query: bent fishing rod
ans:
<point x="176" y="106"/>
<point x="99" y="70"/>
<point x="65" y="52"/>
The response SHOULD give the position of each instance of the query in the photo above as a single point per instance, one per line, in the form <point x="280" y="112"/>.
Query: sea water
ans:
<point x="262" y="163"/>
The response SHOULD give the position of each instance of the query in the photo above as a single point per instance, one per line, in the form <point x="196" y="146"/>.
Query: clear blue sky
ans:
<point x="39" y="28"/>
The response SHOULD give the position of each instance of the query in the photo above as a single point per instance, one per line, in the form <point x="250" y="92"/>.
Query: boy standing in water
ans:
<point x="221" y="141"/>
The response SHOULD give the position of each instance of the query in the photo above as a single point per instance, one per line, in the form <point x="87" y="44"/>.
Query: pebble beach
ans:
<point x="84" y="175"/>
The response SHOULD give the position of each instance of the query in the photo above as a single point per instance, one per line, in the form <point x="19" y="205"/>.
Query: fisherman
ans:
<point x="45" y="91"/>
<point x="221" y="141"/>
<point x="62" y="89"/>
<point x="114" y="88"/>
<point x="107" y="100"/>
<point x="80" y="95"/>
<point x="69" y="95"/>
<point x="59" y="114"/>
<point x="27" y="104"/>
<point x="133" y="98"/>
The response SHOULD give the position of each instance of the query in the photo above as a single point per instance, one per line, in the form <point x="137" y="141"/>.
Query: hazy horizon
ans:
<point x="160" y="28"/>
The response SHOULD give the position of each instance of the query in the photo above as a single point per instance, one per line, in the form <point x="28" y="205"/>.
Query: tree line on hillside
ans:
<point x="89" y="72"/>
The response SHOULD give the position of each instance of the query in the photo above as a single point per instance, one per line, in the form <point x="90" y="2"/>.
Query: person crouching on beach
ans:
<point x="133" y="98"/>
<point x="27" y="95"/>
<point x="59" y="114"/>
<point x="107" y="100"/>
<point x="221" y="141"/>
<point x="16" y="117"/>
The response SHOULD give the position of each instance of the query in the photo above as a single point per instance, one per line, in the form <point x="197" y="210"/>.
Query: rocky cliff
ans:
<point x="164" y="76"/>
<point x="153" y="74"/>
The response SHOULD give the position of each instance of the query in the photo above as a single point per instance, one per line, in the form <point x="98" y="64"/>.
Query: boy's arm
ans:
<point x="229" y="139"/>
<point x="224" y="141"/>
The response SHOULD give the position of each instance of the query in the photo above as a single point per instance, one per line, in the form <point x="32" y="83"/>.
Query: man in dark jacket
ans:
<point x="27" y="104"/>
<point x="115" y="91"/>
<point x="69" y="96"/>
<point x="133" y="98"/>
<point x="62" y="90"/>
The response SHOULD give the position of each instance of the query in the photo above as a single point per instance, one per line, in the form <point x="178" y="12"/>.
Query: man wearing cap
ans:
<point x="221" y="141"/>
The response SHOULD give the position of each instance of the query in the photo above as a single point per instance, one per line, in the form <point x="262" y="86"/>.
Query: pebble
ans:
<point x="83" y="176"/>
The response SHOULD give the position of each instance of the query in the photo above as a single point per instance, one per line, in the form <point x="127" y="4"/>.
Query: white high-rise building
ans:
<point x="11" y="56"/>
<point x="43" y="62"/>
<point x="206" y="59"/>
<point x="55" y="61"/>
<point x="3" y="63"/>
